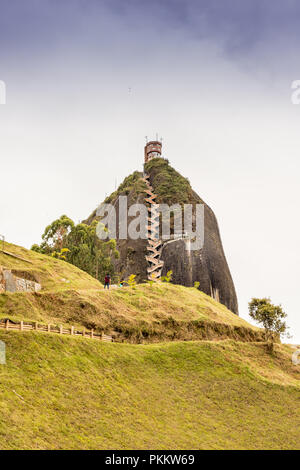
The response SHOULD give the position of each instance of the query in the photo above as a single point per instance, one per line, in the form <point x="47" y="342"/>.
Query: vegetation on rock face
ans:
<point x="79" y="245"/>
<point x="168" y="184"/>
<point x="132" y="183"/>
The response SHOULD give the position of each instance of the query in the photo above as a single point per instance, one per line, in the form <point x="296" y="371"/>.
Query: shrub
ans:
<point x="131" y="280"/>
<point x="168" y="277"/>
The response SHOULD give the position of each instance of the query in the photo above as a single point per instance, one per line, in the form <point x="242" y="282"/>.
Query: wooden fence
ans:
<point x="34" y="326"/>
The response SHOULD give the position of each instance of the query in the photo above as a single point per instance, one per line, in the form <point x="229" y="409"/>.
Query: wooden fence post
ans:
<point x="7" y="324"/>
<point x="21" y="325"/>
<point x="35" y="325"/>
<point x="49" y="327"/>
<point x="61" y="329"/>
<point x="72" y="330"/>
<point x="92" y="334"/>
<point x="83" y="333"/>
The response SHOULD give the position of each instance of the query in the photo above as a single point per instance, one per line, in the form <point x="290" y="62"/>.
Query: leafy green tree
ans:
<point x="55" y="234"/>
<point x="270" y="317"/>
<point x="79" y="245"/>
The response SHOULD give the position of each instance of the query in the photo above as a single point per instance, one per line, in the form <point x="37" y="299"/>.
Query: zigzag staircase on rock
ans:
<point x="154" y="246"/>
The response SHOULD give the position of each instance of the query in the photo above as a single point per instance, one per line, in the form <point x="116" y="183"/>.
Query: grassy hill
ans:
<point x="144" y="314"/>
<point x="53" y="274"/>
<point x="74" y="393"/>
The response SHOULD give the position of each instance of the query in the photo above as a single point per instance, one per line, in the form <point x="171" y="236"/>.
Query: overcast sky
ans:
<point x="87" y="80"/>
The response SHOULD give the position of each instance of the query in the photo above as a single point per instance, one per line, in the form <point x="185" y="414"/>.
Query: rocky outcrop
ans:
<point x="11" y="282"/>
<point x="208" y="265"/>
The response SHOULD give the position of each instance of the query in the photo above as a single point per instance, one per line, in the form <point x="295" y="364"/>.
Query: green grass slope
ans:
<point x="53" y="274"/>
<point x="143" y="314"/>
<point x="74" y="393"/>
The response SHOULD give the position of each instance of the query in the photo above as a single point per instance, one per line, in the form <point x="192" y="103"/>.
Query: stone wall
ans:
<point x="11" y="283"/>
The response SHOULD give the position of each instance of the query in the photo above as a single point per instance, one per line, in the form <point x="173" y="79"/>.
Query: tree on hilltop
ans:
<point x="270" y="317"/>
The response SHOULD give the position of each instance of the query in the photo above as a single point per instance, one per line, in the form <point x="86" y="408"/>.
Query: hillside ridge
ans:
<point x="195" y="395"/>
<point x="144" y="314"/>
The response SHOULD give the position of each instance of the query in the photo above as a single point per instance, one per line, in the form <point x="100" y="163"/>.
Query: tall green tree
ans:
<point x="55" y="236"/>
<point x="79" y="245"/>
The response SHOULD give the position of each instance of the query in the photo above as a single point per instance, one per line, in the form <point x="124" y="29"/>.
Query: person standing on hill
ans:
<point x="107" y="281"/>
